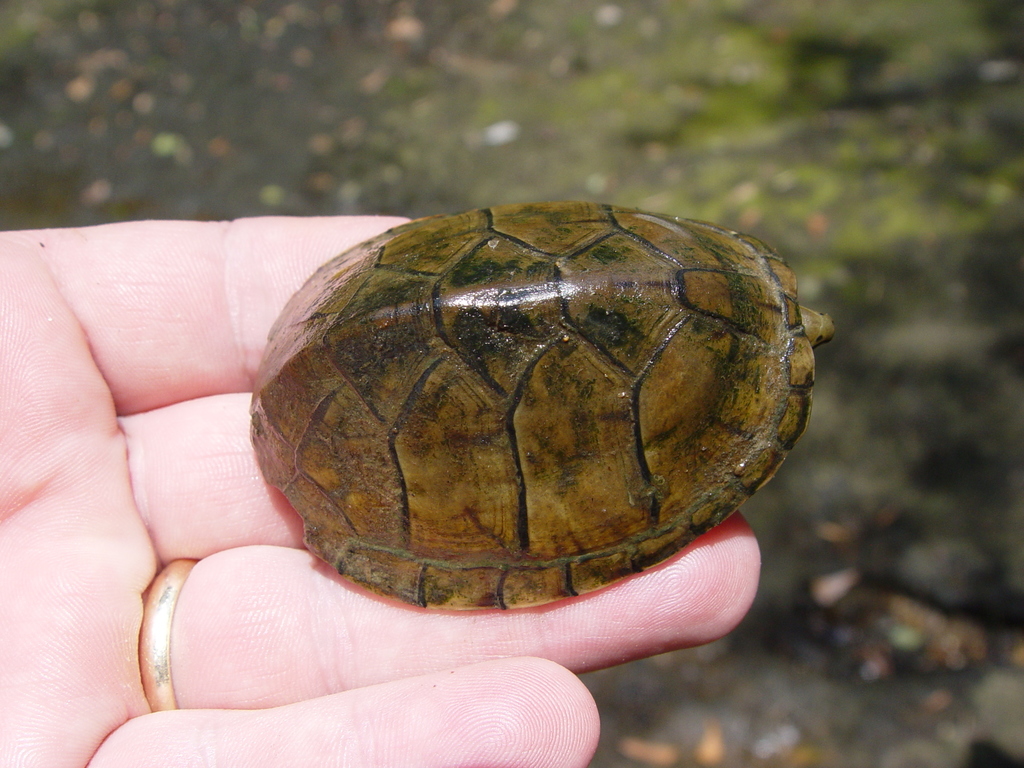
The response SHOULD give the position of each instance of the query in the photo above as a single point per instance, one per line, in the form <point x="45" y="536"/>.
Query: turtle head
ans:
<point x="817" y="325"/>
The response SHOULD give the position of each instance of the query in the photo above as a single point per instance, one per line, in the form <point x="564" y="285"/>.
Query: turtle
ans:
<point x="524" y="403"/>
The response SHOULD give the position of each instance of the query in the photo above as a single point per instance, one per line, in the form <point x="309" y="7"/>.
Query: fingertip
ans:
<point x="723" y="572"/>
<point x="693" y="598"/>
<point x="549" y="717"/>
<point x="524" y="712"/>
<point x="717" y="578"/>
<point x="521" y="712"/>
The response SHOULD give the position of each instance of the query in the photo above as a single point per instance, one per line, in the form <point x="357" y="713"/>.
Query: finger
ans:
<point x="75" y="556"/>
<point x="196" y="482"/>
<point x="175" y="310"/>
<point x="263" y="626"/>
<point x="519" y="712"/>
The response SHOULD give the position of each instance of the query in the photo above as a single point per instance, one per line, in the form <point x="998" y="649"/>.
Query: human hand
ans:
<point x="127" y="353"/>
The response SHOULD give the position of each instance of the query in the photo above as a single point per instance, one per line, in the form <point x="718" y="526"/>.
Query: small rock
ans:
<point x="502" y="132"/>
<point x="829" y="589"/>
<point x="80" y="89"/>
<point x="711" y="748"/>
<point x="653" y="753"/>
<point x="404" y="29"/>
<point x="779" y="741"/>
<point x="97" y="193"/>
<point x="608" y="15"/>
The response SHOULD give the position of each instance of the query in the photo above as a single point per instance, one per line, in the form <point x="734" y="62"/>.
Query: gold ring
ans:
<point x="155" y="638"/>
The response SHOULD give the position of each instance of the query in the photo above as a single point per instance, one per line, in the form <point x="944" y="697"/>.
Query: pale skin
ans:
<point x="126" y="356"/>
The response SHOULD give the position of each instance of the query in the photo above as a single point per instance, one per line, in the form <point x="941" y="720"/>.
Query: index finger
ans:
<point x="175" y="310"/>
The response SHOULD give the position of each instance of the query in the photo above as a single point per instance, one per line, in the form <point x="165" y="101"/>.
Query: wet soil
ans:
<point x="879" y="145"/>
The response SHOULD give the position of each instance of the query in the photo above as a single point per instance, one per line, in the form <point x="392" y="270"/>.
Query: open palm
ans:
<point x="126" y="355"/>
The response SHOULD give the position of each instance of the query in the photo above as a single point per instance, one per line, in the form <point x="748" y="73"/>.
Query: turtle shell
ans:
<point x="518" y="404"/>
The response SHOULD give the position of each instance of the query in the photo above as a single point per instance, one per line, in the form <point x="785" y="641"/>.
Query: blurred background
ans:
<point x="877" y="144"/>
